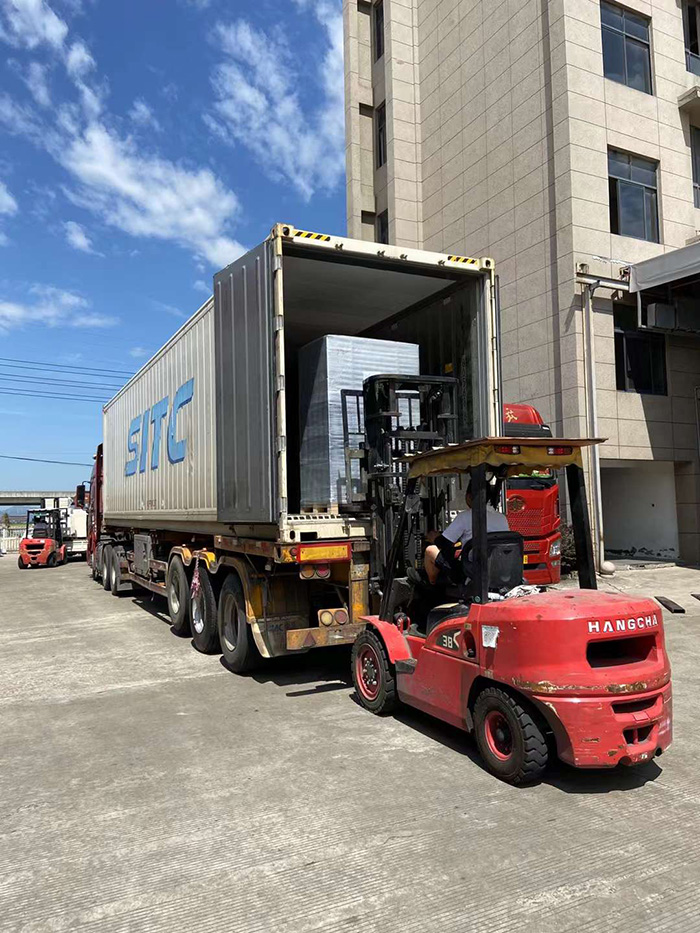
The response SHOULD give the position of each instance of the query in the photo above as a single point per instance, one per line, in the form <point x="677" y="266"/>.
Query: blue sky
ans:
<point x="144" y="145"/>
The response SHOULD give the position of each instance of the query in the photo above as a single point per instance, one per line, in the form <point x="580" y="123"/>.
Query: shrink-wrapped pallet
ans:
<point x="327" y="367"/>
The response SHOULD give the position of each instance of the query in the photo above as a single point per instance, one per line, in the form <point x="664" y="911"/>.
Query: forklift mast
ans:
<point x="393" y="417"/>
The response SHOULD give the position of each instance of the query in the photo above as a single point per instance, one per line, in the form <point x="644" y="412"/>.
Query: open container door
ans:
<point x="247" y="470"/>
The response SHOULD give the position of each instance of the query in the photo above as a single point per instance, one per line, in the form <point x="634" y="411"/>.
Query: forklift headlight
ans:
<point x="555" y="548"/>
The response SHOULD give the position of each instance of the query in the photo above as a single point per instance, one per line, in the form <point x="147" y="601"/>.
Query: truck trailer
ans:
<point x="197" y="487"/>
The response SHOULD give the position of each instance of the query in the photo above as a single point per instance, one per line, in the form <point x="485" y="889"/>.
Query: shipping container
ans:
<point x="200" y="473"/>
<point x="206" y="435"/>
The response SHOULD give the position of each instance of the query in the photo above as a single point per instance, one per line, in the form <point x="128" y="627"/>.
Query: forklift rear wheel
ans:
<point x="509" y="737"/>
<point x="178" y="597"/>
<point x="237" y="644"/>
<point x="106" y="565"/>
<point x="205" y="631"/>
<point x="51" y="560"/>
<point x="372" y="674"/>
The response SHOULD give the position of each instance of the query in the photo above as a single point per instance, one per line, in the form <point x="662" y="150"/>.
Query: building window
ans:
<point x="378" y="13"/>
<point x="691" y="29"/>
<point x="695" y="155"/>
<point x="383" y="228"/>
<point x="633" y="198"/>
<point x="640" y="356"/>
<point x="626" y="50"/>
<point x="380" y="121"/>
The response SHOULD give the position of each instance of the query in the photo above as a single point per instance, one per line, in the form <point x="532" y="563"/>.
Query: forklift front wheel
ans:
<point x="509" y="737"/>
<point x="21" y="564"/>
<point x="372" y="674"/>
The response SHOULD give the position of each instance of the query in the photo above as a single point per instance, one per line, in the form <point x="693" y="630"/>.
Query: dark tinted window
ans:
<point x="691" y="28"/>
<point x="380" y="119"/>
<point x="378" y="29"/>
<point x="633" y="198"/>
<point x="626" y="50"/>
<point x="640" y="356"/>
<point x="383" y="227"/>
<point x="695" y="150"/>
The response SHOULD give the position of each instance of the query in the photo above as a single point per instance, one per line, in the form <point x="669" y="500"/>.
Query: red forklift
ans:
<point x="532" y="502"/>
<point x="572" y="673"/>
<point x="43" y="544"/>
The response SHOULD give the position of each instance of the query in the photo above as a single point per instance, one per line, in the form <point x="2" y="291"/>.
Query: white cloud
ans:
<point x="201" y="286"/>
<point x="258" y="104"/>
<point x="135" y="191"/>
<point x="38" y="85"/>
<point x="142" y="115"/>
<point x="53" y="307"/>
<point x="138" y="352"/>
<point x="77" y="237"/>
<point x="31" y="23"/>
<point x="8" y="205"/>
<point x="146" y="196"/>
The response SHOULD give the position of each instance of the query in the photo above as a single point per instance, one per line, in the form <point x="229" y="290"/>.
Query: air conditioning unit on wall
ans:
<point x="661" y="316"/>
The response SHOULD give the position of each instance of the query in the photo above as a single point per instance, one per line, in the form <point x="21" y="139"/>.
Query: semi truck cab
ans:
<point x="532" y="502"/>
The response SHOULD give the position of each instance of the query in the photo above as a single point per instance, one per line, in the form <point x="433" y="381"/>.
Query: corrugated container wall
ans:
<point x="170" y="405"/>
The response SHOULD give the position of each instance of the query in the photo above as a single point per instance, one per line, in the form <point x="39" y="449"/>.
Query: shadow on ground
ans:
<point x="560" y="775"/>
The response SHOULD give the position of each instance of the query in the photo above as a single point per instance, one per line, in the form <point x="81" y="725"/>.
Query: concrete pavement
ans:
<point x="143" y="787"/>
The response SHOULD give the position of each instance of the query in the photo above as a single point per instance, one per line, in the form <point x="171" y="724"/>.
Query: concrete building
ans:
<point x="558" y="137"/>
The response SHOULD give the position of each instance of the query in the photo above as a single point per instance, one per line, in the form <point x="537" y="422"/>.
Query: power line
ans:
<point x="62" y="367"/>
<point x="39" y="460"/>
<point x="15" y="377"/>
<point x="22" y="393"/>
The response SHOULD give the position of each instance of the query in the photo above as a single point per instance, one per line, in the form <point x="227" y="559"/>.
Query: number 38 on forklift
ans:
<point x="576" y="673"/>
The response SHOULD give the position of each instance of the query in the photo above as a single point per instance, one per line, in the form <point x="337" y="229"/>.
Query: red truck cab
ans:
<point x="532" y="502"/>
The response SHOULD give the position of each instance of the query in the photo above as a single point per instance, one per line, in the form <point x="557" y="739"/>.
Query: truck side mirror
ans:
<point x="80" y="496"/>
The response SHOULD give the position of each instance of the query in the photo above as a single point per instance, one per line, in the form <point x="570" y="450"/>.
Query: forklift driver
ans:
<point x="458" y="532"/>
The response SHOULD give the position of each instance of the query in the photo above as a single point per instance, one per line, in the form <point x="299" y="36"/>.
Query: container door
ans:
<point x="245" y="399"/>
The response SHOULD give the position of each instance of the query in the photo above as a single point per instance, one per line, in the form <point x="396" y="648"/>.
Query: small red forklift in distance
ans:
<point x="43" y="544"/>
<point x="576" y="671"/>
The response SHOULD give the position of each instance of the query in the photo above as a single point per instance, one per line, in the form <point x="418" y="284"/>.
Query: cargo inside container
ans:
<point x="330" y="293"/>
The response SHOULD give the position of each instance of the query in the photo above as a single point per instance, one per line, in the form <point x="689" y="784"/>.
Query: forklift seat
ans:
<point x="445" y="611"/>
<point x="504" y="550"/>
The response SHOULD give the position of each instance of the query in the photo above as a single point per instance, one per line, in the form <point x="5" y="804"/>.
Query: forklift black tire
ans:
<point x="509" y="737"/>
<point x="21" y="564"/>
<point x="106" y="566"/>
<point x="372" y="674"/>
<point x="178" y="590"/>
<point x="235" y="634"/>
<point x="203" y="615"/>
<point x="51" y="560"/>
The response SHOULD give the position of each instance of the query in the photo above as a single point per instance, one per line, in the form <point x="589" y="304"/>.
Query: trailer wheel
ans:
<point x="94" y="572"/>
<point x="106" y="564"/>
<point x="205" y="631"/>
<point x="509" y="737"/>
<point x="372" y="674"/>
<point x="237" y="644"/>
<point x="178" y="597"/>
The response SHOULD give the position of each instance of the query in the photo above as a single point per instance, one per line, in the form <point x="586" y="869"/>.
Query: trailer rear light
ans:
<point x="307" y="571"/>
<point x="510" y="449"/>
<point x="560" y="451"/>
<point x="333" y="617"/>
<point x="315" y="571"/>
<point x="323" y="571"/>
<point x="516" y="504"/>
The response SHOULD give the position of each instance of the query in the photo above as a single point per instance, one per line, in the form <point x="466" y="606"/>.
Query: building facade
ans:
<point x="558" y="137"/>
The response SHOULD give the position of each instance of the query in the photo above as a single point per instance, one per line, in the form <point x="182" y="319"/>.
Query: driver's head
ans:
<point x="468" y="497"/>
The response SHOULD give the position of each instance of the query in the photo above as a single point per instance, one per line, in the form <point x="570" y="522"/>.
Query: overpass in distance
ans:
<point x="23" y="497"/>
